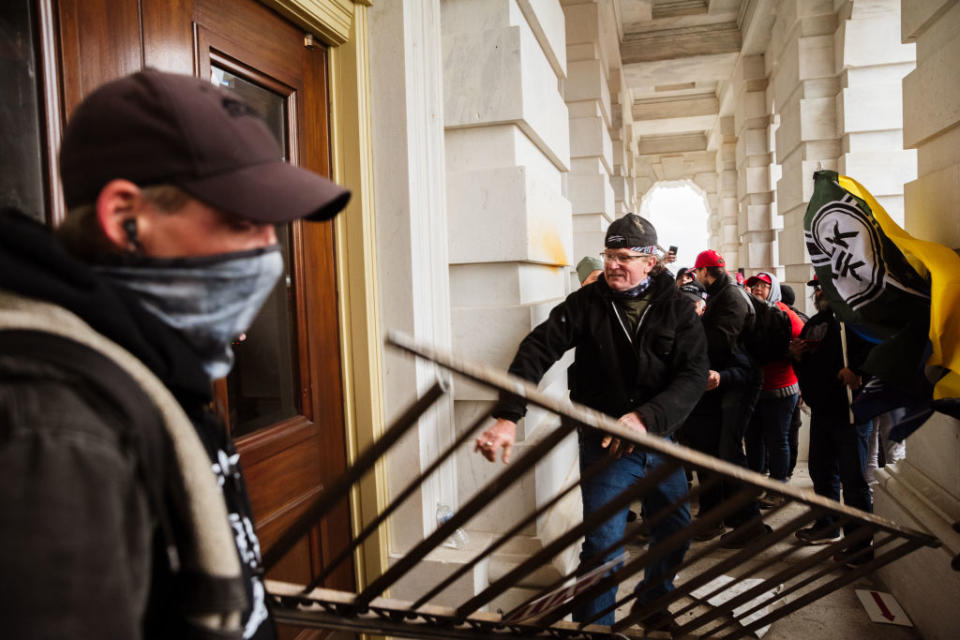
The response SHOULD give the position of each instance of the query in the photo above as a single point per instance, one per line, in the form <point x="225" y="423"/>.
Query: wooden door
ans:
<point x="283" y="401"/>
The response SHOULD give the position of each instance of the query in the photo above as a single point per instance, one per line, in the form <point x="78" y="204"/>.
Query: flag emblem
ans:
<point x="841" y="238"/>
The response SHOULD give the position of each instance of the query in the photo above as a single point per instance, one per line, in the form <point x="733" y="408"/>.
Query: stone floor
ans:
<point x="837" y="616"/>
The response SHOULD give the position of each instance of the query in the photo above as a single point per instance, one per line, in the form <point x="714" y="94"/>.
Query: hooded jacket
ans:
<point x="779" y="376"/>
<point x="723" y="321"/>
<point x="660" y="371"/>
<point x="55" y="426"/>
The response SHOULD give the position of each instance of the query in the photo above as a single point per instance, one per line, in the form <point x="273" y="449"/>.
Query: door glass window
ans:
<point x="263" y="387"/>
<point x="21" y="163"/>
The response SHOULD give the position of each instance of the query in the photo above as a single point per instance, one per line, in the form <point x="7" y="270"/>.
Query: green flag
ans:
<point x="869" y="282"/>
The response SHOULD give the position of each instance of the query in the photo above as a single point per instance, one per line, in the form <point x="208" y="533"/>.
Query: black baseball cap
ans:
<point x="632" y="232"/>
<point x="154" y="128"/>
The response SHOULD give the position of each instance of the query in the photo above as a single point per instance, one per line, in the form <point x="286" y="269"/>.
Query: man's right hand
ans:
<point x="501" y="434"/>
<point x="713" y="380"/>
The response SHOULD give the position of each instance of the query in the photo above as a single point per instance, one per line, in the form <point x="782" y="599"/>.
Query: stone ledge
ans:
<point x="932" y="508"/>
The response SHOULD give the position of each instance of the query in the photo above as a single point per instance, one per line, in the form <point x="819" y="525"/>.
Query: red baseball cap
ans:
<point x="762" y="277"/>
<point x="709" y="258"/>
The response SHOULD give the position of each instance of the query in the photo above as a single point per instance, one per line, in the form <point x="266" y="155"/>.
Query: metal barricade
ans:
<point x="766" y="584"/>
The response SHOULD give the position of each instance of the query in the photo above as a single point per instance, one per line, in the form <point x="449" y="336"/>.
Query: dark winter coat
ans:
<point x="723" y="321"/>
<point x="80" y="549"/>
<point x="817" y="370"/>
<point x="660" y="372"/>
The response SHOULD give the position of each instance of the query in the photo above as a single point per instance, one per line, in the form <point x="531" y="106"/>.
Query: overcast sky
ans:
<point x="679" y="213"/>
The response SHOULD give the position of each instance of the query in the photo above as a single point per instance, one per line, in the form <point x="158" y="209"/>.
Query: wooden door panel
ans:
<point x="99" y="42"/>
<point x="288" y="463"/>
<point x="168" y="36"/>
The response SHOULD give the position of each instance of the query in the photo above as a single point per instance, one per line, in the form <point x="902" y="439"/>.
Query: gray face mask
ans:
<point x="208" y="300"/>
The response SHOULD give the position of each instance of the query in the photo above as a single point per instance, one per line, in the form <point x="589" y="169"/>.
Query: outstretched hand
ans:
<point x="503" y="433"/>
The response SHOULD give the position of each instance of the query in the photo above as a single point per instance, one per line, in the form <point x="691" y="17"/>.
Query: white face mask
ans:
<point x="208" y="300"/>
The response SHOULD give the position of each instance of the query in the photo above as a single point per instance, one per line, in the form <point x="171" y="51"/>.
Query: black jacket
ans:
<point x="64" y="468"/>
<point x="660" y="374"/>
<point x="723" y="321"/>
<point x="817" y="369"/>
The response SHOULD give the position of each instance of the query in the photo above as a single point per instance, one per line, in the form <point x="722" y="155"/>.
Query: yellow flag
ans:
<point x="942" y="264"/>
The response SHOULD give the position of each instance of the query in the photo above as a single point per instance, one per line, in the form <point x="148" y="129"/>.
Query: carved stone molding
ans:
<point x="330" y="20"/>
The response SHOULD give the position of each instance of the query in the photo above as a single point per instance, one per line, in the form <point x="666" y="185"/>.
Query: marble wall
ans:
<point x="407" y="120"/>
<point x="508" y="149"/>
<point x="924" y="489"/>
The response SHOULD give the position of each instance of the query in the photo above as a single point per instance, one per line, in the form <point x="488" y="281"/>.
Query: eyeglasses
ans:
<point x="621" y="258"/>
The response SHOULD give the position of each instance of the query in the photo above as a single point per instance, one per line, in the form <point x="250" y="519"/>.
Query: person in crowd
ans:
<point x="883" y="450"/>
<point x="724" y="321"/>
<point x="838" y="445"/>
<point x="788" y="297"/>
<point x="695" y="293"/>
<point x="641" y="358"/>
<point x="125" y="513"/>
<point x="699" y="431"/>
<point x="589" y="269"/>
<point x="685" y="275"/>
<point x="767" y="438"/>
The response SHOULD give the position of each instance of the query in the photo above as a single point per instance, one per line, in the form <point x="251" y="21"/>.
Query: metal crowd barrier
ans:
<point x="761" y="589"/>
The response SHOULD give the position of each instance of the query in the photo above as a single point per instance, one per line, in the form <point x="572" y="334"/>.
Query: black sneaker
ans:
<point x="818" y="535"/>
<point x="739" y="538"/>
<point x="710" y="533"/>
<point x="854" y="558"/>
<point x="662" y="621"/>
<point x="771" y="500"/>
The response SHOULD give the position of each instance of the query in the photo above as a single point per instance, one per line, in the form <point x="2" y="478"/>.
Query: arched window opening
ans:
<point x="678" y="209"/>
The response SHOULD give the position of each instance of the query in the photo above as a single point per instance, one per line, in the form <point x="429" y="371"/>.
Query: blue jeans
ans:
<point x="768" y="438"/>
<point x="838" y="461"/>
<point x="618" y="476"/>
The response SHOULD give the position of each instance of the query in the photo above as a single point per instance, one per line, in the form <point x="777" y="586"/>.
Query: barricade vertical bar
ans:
<point x="594" y="470"/>
<point x="887" y="558"/>
<point x="395" y="504"/>
<point x="810" y="515"/>
<point x="597" y="560"/>
<point x="565" y="540"/>
<point x="634" y="565"/>
<point x="778" y="578"/>
<point x="339" y="488"/>
<point x="473" y="506"/>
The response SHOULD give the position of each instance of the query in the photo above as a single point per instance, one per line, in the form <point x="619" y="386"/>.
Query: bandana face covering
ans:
<point x="209" y="300"/>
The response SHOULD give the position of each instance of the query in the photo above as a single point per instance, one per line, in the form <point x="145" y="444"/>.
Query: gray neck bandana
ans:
<point x="208" y="300"/>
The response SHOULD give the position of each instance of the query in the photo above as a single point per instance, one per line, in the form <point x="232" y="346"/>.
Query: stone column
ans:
<point x="621" y="133"/>
<point x="724" y="233"/>
<point x="804" y="94"/>
<point x="756" y="217"/>
<point x="510" y="237"/>
<point x="407" y="119"/>
<point x="872" y="63"/>
<point x="588" y="99"/>
<point x="923" y="491"/>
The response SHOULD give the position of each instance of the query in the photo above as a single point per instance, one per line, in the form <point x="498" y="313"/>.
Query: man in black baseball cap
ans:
<point x="126" y="514"/>
<point x="641" y="358"/>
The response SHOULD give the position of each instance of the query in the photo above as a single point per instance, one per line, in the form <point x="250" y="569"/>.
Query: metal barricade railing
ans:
<point x="790" y="580"/>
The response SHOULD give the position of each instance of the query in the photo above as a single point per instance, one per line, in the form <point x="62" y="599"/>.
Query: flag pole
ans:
<point x="846" y="365"/>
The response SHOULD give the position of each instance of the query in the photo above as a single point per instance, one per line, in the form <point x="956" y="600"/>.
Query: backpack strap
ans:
<point x="143" y="429"/>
